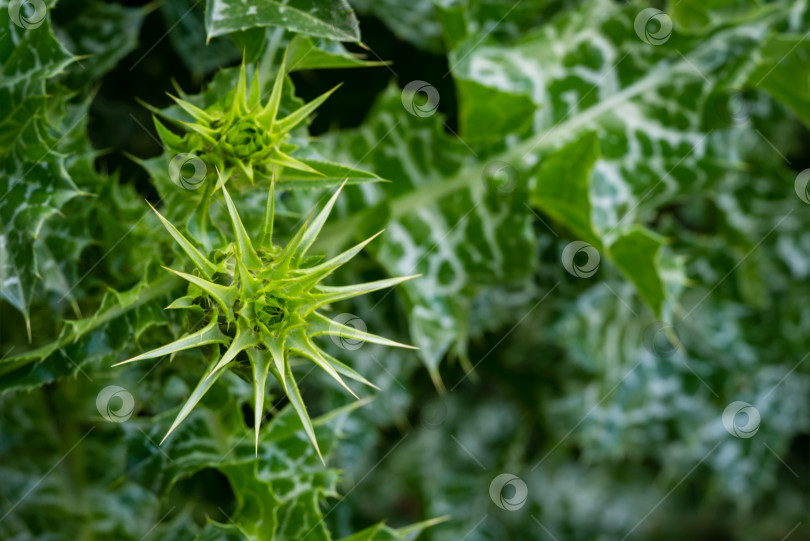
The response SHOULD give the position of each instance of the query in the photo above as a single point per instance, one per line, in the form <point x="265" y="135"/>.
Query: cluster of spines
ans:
<point x="246" y="105"/>
<point x="268" y="350"/>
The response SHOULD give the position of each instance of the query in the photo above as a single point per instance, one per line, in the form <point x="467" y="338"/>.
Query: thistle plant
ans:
<point x="240" y="134"/>
<point x="264" y="304"/>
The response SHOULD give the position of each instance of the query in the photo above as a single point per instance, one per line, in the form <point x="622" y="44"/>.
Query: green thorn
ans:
<point x="245" y="249"/>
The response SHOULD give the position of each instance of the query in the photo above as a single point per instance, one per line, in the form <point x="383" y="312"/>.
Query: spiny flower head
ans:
<point x="238" y="133"/>
<point x="265" y="302"/>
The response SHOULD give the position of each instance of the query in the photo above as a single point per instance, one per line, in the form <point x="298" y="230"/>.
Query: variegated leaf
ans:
<point x="324" y="18"/>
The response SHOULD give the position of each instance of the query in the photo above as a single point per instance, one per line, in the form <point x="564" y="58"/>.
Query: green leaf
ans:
<point x="502" y="112"/>
<point x="652" y="145"/>
<point x="332" y="19"/>
<point x="563" y="186"/>
<point x="34" y="184"/>
<point x="631" y="142"/>
<point x="32" y="192"/>
<point x="784" y="71"/>
<point x="119" y="318"/>
<point x="491" y="21"/>
<point x="381" y="532"/>
<point x="445" y="221"/>
<point x="563" y="191"/>
<point x="29" y="55"/>
<point x="413" y="22"/>
<point x="277" y="494"/>
<point x="101" y="34"/>
<point x="636" y="254"/>
<point x="188" y="37"/>
<point x="695" y="16"/>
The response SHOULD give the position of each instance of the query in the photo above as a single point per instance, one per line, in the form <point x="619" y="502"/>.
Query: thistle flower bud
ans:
<point x="274" y="298"/>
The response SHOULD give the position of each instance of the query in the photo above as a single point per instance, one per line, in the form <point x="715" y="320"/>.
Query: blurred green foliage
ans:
<point x="608" y="203"/>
